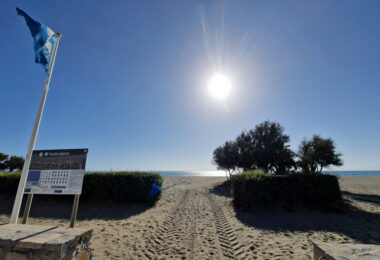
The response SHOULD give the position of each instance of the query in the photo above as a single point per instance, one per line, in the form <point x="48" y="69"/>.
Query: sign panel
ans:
<point x="56" y="171"/>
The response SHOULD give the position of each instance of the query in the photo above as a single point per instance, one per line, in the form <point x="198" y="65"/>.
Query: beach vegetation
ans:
<point x="9" y="183"/>
<point x="258" y="189"/>
<point x="318" y="153"/>
<point x="14" y="163"/>
<point x="131" y="187"/>
<point x="10" y="163"/>
<point x="120" y="186"/>
<point x="3" y="157"/>
<point x="226" y="156"/>
<point x="264" y="147"/>
<point x="267" y="147"/>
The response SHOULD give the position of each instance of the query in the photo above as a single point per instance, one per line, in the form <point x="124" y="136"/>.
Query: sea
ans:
<point x="222" y="173"/>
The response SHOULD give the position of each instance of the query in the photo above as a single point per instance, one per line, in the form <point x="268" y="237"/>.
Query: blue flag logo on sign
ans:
<point x="44" y="40"/>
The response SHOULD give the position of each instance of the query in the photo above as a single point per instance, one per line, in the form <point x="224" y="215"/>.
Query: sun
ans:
<point x="219" y="86"/>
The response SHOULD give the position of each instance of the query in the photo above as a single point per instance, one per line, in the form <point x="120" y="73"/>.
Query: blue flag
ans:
<point x="44" y="40"/>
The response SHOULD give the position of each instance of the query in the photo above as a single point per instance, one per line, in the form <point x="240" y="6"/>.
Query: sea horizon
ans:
<point x="223" y="173"/>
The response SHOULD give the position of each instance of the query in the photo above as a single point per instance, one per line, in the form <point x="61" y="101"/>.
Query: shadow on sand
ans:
<point x="358" y="224"/>
<point x="222" y="189"/>
<point x="375" y="199"/>
<point x="60" y="208"/>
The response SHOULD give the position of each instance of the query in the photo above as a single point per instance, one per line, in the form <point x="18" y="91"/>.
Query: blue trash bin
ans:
<point x="155" y="189"/>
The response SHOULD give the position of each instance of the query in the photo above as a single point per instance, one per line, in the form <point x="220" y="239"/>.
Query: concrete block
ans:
<point x="29" y="242"/>
<point x="15" y="256"/>
<point x="335" y="251"/>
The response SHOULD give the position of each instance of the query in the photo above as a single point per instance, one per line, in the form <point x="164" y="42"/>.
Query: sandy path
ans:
<point x="195" y="219"/>
<point x="196" y="226"/>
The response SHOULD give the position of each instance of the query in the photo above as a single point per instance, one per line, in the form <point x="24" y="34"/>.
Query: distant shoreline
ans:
<point x="223" y="174"/>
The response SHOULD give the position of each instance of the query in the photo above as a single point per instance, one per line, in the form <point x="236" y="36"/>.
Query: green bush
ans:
<point x="9" y="183"/>
<point x="256" y="189"/>
<point x="118" y="187"/>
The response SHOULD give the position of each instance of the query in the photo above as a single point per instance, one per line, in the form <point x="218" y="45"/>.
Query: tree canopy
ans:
<point x="10" y="163"/>
<point x="3" y="157"/>
<point x="226" y="157"/>
<point x="267" y="147"/>
<point x="264" y="147"/>
<point x="318" y="153"/>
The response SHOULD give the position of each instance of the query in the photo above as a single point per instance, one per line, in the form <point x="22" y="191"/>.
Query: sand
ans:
<point x="195" y="219"/>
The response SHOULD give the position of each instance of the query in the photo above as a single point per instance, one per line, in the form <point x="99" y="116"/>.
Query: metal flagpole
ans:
<point x="25" y="168"/>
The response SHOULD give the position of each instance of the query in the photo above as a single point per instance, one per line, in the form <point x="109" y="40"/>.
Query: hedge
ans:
<point x="132" y="187"/>
<point x="255" y="189"/>
<point x="120" y="186"/>
<point x="9" y="183"/>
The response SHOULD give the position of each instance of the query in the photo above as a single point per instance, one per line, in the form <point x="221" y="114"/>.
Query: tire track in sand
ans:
<point x="176" y="236"/>
<point x="229" y="245"/>
<point x="196" y="228"/>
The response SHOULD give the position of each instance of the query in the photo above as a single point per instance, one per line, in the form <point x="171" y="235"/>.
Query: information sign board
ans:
<point x="56" y="171"/>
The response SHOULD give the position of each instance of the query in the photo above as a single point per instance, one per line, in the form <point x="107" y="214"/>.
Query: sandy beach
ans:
<point x="195" y="219"/>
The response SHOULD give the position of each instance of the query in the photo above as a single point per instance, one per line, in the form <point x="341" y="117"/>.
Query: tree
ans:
<point x="226" y="157"/>
<point x="14" y="163"/>
<point x="270" y="149"/>
<point x="245" y="151"/>
<point x="318" y="153"/>
<point x="265" y="147"/>
<point x="3" y="158"/>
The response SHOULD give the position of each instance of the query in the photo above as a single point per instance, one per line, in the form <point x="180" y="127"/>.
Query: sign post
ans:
<point x="74" y="211"/>
<point x="59" y="172"/>
<point x="27" y="209"/>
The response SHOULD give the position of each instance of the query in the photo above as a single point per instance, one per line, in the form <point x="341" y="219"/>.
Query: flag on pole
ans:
<point x="45" y="49"/>
<point x="44" y="40"/>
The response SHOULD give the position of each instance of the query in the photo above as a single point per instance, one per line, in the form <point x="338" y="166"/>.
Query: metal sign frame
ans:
<point x="47" y="160"/>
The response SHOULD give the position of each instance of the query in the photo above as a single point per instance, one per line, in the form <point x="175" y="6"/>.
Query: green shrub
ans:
<point x="9" y="183"/>
<point x="256" y="189"/>
<point x="118" y="187"/>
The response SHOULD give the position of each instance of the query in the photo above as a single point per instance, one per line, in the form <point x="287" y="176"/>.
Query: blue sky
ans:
<point x="130" y="80"/>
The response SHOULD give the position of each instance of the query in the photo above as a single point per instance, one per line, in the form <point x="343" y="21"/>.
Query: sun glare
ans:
<point x="219" y="86"/>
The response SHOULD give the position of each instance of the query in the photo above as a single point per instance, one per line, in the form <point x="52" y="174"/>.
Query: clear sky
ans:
<point x="130" y="80"/>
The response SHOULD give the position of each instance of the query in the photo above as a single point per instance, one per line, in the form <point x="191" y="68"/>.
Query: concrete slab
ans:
<point x="44" y="242"/>
<point x="335" y="251"/>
